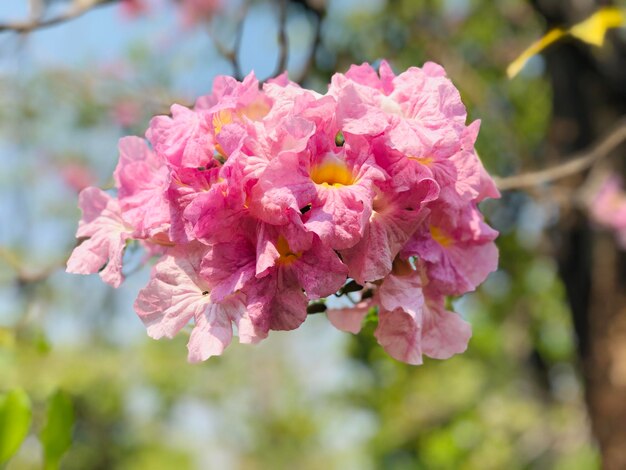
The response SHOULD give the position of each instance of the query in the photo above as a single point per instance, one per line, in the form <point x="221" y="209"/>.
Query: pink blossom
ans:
<point x="350" y="319"/>
<point x="395" y="217"/>
<point x="106" y="232"/>
<point x="344" y="184"/>
<point x="418" y="122"/>
<point x="134" y="8"/>
<point x="195" y="11"/>
<point x="141" y="177"/>
<point x="422" y="99"/>
<point x="456" y="247"/>
<point x="77" y="175"/>
<point x="191" y="11"/>
<point x="608" y="207"/>
<point x="184" y="140"/>
<point x="278" y="272"/>
<point x="411" y="324"/>
<point x="210" y="215"/>
<point x="316" y="268"/>
<point x="435" y="332"/>
<point x="126" y="113"/>
<point x="229" y="93"/>
<point x="305" y="168"/>
<point x="258" y="201"/>
<point x="176" y="294"/>
<point x="285" y="131"/>
<point x="229" y="266"/>
<point x="190" y="186"/>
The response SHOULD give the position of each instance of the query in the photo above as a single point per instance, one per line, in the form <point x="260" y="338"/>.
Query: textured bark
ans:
<point x="589" y="88"/>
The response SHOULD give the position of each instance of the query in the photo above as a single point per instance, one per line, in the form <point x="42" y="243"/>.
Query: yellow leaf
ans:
<point x="593" y="29"/>
<point x="535" y="48"/>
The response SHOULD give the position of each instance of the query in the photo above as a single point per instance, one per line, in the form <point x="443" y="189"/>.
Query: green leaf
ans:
<point x="15" y="418"/>
<point x="56" y="436"/>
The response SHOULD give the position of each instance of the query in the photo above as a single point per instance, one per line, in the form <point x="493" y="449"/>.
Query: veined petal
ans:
<point x="399" y="334"/>
<point x="213" y="331"/>
<point x="175" y="293"/>
<point x="184" y="140"/>
<point x="444" y="333"/>
<point x="349" y="319"/>
<point x="107" y="233"/>
<point x="395" y="218"/>
<point x="228" y="266"/>
<point x="338" y="215"/>
<point x="142" y="179"/>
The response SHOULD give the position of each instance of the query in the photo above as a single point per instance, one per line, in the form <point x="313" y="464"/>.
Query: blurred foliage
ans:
<point x="56" y="436"/>
<point x="15" y="417"/>
<point x="315" y="398"/>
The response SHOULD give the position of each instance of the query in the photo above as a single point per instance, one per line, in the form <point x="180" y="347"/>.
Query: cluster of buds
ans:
<point x="262" y="202"/>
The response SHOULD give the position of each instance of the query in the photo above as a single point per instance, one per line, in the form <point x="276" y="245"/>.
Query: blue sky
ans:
<point x="105" y="35"/>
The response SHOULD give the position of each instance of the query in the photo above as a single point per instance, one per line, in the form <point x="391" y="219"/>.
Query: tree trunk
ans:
<point x="589" y="96"/>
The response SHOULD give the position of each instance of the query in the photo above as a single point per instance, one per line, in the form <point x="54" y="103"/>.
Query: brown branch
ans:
<point x="232" y="55"/>
<point x="315" y="44"/>
<point x="283" y="40"/>
<point x="31" y="25"/>
<point x="237" y="46"/>
<point x="22" y="275"/>
<point x="575" y="164"/>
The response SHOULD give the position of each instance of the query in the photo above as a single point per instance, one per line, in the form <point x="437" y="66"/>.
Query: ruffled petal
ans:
<point x="107" y="233"/>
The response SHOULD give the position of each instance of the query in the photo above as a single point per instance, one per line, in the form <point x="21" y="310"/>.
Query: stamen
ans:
<point x="440" y="236"/>
<point x="426" y="161"/>
<point x="332" y="173"/>
<point x="286" y="255"/>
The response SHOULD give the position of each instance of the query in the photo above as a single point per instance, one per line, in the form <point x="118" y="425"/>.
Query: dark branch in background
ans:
<point x="22" y="275"/>
<point x="315" y="44"/>
<point x="232" y="55"/>
<point x="37" y="23"/>
<point x="237" y="45"/>
<point x="283" y="41"/>
<point x="575" y="164"/>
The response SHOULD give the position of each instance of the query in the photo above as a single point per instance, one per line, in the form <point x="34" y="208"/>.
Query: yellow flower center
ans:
<point x="287" y="256"/>
<point x="426" y="161"/>
<point x="254" y="111"/>
<point x="440" y="236"/>
<point x="221" y="119"/>
<point x="332" y="173"/>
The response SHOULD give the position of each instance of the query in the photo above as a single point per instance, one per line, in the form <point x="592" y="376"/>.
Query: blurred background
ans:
<point x="543" y="383"/>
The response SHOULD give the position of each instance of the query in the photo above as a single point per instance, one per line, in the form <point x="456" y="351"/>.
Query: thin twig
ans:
<point x="575" y="164"/>
<point x="75" y="12"/>
<point x="237" y="46"/>
<point x="228" y="54"/>
<point x="315" y="44"/>
<point x="283" y="41"/>
<point x="24" y="276"/>
<point x="232" y="55"/>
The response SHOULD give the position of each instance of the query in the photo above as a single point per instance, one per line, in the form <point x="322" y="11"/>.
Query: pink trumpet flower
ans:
<point x="261" y="202"/>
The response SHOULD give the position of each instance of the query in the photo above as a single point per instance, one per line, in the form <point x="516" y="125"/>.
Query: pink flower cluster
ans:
<point x="260" y="203"/>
